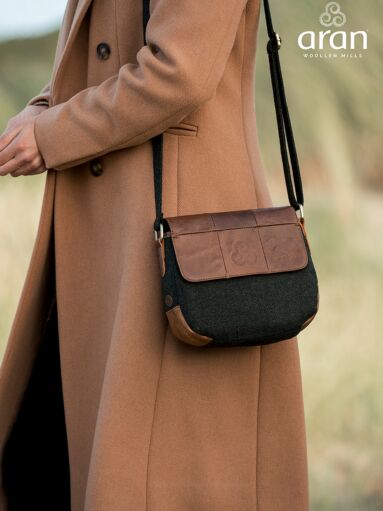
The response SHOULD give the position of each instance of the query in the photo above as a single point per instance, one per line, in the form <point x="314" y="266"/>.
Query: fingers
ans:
<point x="21" y="156"/>
<point x="35" y="172"/>
<point x="10" y="149"/>
<point x="40" y="170"/>
<point x="8" y="135"/>
<point x="29" y="171"/>
<point x="23" y="166"/>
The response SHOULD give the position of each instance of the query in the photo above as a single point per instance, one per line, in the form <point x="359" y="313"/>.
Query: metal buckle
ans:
<point x="301" y="214"/>
<point x="159" y="237"/>
<point x="278" y="39"/>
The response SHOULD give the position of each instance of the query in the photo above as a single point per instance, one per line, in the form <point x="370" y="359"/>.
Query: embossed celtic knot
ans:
<point x="243" y="253"/>
<point x="333" y="15"/>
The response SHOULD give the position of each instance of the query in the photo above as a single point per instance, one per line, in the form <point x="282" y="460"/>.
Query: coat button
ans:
<point x="96" y="168"/>
<point x="103" y="51"/>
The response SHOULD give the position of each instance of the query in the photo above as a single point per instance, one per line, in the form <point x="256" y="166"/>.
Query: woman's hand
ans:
<point x="19" y="154"/>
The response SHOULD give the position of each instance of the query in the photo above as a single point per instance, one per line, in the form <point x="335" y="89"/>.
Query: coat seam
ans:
<point x="242" y="110"/>
<point x="178" y="174"/>
<point x="153" y="418"/>
<point x="116" y="30"/>
<point x="257" y="442"/>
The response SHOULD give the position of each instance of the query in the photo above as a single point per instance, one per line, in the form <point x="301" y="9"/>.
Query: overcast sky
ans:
<point x="29" y="17"/>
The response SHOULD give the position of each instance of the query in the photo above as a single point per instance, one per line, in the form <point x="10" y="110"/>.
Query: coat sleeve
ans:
<point x="187" y="46"/>
<point x="42" y="97"/>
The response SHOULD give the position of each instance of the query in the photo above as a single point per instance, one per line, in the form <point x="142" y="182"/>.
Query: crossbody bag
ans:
<point x="239" y="278"/>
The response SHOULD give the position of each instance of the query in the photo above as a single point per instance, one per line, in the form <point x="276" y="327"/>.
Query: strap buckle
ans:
<point x="274" y="44"/>
<point x="159" y="235"/>
<point x="278" y="39"/>
<point x="301" y="213"/>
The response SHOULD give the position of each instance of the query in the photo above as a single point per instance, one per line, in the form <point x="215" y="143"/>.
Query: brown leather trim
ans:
<point x="181" y="329"/>
<point x="161" y="257"/>
<point x="206" y="222"/>
<point x="237" y="243"/>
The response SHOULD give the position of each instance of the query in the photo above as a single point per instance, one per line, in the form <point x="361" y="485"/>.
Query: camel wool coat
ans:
<point x="152" y="424"/>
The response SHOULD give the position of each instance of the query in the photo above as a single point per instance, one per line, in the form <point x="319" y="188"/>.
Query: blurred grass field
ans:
<point x="340" y="357"/>
<point x="336" y="110"/>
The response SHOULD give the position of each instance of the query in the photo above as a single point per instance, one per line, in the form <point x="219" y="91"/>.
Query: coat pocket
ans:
<point x="183" y="129"/>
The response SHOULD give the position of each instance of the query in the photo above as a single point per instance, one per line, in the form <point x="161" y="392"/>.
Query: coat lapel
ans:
<point x="74" y="14"/>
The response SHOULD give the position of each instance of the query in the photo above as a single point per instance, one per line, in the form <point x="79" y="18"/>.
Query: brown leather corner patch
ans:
<point x="161" y="257"/>
<point x="237" y="243"/>
<point x="182" y="330"/>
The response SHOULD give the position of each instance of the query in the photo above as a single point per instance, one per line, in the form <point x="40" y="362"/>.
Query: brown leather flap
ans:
<point x="220" y="245"/>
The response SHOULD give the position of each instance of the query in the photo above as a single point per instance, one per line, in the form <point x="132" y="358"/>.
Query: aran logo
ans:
<point x="333" y="16"/>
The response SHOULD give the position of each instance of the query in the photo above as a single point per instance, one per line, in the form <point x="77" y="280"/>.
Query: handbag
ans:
<point x="239" y="278"/>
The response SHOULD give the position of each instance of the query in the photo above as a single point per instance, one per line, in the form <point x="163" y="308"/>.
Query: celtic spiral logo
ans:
<point x="333" y="15"/>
